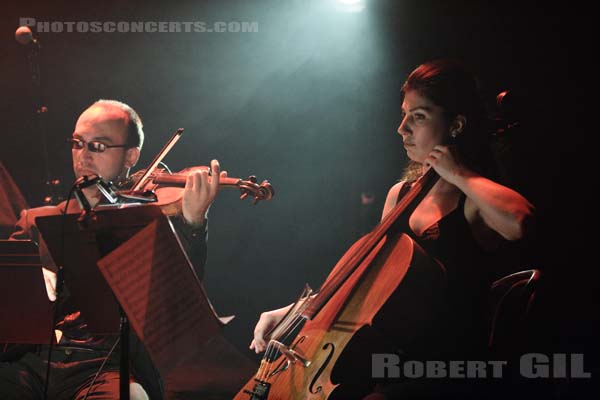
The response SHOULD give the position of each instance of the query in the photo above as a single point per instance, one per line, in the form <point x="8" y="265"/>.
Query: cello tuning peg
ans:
<point x="252" y="178"/>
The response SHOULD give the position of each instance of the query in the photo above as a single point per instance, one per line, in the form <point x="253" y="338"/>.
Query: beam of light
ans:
<point x="350" y="6"/>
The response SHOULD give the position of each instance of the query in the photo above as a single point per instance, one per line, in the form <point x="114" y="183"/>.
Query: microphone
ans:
<point x="24" y="36"/>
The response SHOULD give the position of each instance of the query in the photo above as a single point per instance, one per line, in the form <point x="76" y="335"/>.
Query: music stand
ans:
<point x="77" y="246"/>
<point x="26" y="313"/>
<point x="134" y="255"/>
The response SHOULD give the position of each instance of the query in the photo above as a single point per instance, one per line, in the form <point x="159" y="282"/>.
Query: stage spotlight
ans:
<point x="350" y="6"/>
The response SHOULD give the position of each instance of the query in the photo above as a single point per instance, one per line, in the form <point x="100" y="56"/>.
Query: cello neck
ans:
<point x="414" y="196"/>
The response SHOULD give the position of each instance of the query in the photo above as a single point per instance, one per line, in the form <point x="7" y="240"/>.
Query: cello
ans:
<point x="304" y="347"/>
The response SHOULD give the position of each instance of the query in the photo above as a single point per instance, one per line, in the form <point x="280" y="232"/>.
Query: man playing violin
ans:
<point x="107" y="141"/>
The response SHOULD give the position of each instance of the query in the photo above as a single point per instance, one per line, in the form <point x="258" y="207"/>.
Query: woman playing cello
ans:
<point x="460" y="221"/>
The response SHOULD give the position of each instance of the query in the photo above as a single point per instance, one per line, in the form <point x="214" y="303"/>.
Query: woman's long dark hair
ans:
<point x="449" y="85"/>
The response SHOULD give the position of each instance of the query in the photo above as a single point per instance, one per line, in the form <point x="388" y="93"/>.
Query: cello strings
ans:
<point x="264" y="364"/>
<point x="291" y="322"/>
<point x="296" y="319"/>
<point x="269" y="357"/>
<point x="285" y="330"/>
<point x="271" y="348"/>
<point x="419" y="189"/>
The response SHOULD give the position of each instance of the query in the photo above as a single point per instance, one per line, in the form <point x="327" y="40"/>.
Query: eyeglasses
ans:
<point x="94" y="146"/>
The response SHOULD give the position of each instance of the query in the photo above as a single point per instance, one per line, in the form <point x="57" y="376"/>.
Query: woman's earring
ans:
<point x="454" y="134"/>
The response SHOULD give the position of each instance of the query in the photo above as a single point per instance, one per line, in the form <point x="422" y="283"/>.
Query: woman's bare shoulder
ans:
<point x="392" y="198"/>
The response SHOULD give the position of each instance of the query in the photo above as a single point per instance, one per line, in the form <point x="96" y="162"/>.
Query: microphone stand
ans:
<point x="107" y="190"/>
<point x="33" y="55"/>
<point x="124" y="359"/>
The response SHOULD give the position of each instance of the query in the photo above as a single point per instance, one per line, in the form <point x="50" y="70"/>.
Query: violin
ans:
<point x="166" y="188"/>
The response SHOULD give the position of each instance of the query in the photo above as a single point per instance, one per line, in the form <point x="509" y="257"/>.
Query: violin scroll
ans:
<point x="264" y="191"/>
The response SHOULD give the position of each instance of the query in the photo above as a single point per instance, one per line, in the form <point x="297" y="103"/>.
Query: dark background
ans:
<point x="311" y="103"/>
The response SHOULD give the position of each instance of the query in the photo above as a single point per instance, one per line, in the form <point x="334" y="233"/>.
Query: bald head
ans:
<point x="107" y="121"/>
<point x="134" y="126"/>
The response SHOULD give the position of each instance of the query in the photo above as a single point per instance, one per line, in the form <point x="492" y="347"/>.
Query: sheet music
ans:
<point x="155" y="284"/>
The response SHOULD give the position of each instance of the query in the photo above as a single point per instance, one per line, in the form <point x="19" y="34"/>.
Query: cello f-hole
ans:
<point x="311" y="388"/>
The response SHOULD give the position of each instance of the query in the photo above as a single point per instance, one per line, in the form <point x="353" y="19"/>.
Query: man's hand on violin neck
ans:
<point x="200" y="192"/>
